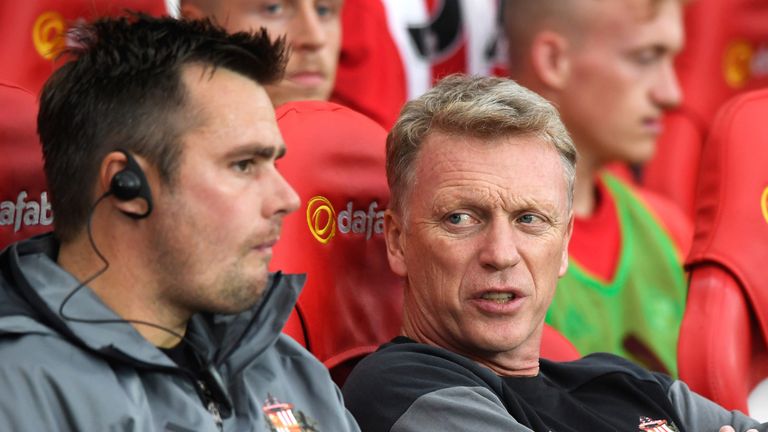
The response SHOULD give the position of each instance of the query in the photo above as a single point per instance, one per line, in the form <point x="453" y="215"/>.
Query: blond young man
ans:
<point x="608" y="68"/>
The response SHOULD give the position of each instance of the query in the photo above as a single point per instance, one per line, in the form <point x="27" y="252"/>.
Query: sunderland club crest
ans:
<point x="282" y="417"/>
<point x="646" y="424"/>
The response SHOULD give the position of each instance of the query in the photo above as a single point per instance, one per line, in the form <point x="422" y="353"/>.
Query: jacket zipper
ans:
<point x="211" y="406"/>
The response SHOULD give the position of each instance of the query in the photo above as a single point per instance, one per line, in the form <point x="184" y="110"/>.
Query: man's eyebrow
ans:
<point x="480" y="200"/>
<point x="451" y="200"/>
<point x="256" y="150"/>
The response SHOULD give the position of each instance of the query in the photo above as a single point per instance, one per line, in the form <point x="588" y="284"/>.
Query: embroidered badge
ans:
<point x="282" y="417"/>
<point x="646" y="424"/>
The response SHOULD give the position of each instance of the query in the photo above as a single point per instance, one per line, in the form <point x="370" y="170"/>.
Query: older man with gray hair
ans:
<point x="481" y="172"/>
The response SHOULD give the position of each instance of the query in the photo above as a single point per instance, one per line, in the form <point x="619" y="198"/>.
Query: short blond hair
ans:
<point x="523" y="19"/>
<point x="481" y="107"/>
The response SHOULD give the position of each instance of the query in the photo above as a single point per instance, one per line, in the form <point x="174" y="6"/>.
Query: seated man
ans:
<point x="150" y="308"/>
<point x="608" y="68"/>
<point x="311" y="27"/>
<point x="481" y="174"/>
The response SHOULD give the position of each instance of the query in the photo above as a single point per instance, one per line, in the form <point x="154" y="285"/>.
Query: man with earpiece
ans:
<point x="150" y="306"/>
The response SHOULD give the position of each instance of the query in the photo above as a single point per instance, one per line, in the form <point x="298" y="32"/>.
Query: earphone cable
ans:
<point x="99" y="273"/>
<point x="207" y="372"/>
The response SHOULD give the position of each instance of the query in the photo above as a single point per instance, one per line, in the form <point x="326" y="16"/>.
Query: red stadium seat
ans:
<point x="352" y="301"/>
<point x="726" y="53"/>
<point x="367" y="49"/>
<point x="25" y="207"/>
<point x="555" y="346"/>
<point x="34" y="32"/>
<point x="722" y="351"/>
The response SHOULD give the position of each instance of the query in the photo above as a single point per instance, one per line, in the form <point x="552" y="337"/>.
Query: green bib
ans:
<point x="638" y="314"/>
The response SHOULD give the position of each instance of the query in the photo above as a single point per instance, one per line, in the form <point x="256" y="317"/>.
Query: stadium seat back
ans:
<point x="25" y="208"/>
<point x="35" y="32"/>
<point x="722" y="350"/>
<point x="352" y="301"/>
<point x="555" y="346"/>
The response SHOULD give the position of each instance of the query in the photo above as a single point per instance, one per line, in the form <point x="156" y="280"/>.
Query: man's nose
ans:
<point x="666" y="91"/>
<point x="500" y="249"/>
<point x="283" y="199"/>
<point x="307" y="31"/>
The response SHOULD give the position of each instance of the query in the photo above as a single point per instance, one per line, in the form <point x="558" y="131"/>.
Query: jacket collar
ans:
<point x="34" y="279"/>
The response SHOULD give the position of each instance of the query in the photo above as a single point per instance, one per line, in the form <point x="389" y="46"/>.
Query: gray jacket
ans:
<point x="62" y="375"/>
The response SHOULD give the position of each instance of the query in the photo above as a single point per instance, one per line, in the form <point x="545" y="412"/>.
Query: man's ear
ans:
<point x="550" y="59"/>
<point x="113" y="163"/>
<point x="393" y="235"/>
<point x="564" y="257"/>
<point x="191" y="10"/>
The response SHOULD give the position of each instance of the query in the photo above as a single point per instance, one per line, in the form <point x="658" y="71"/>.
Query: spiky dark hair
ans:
<point x="122" y="87"/>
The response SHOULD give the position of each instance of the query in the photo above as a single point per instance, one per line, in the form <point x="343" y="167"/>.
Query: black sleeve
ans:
<point x="415" y="391"/>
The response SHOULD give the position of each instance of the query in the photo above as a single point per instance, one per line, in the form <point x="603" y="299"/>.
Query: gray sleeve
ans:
<point x="458" y="409"/>
<point x="36" y="395"/>
<point x="47" y="386"/>
<point x="699" y="414"/>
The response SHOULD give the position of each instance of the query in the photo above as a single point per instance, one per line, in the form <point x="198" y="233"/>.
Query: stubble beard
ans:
<point x="179" y="266"/>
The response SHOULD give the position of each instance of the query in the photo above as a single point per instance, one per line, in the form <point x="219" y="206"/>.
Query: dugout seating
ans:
<point x="726" y="53"/>
<point x="352" y="301"/>
<point x="25" y="208"/>
<point x="555" y="346"/>
<point x="722" y="351"/>
<point x="370" y="77"/>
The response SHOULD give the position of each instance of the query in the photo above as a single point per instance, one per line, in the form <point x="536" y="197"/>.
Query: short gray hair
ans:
<point x="472" y="106"/>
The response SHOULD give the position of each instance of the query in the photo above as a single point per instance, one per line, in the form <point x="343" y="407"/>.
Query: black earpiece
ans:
<point x="131" y="183"/>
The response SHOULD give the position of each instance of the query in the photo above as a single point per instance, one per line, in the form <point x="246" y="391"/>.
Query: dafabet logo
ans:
<point x="26" y="212"/>
<point x="49" y="34"/>
<point x="324" y="222"/>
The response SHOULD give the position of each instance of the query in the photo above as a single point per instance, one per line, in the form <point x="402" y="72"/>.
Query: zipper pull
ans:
<point x="211" y="406"/>
<point x="214" y="410"/>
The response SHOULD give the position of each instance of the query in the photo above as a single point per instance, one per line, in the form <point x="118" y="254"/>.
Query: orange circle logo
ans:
<point x="737" y="63"/>
<point x="48" y="34"/>
<point x="764" y="204"/>
<point x="321" y="218"/>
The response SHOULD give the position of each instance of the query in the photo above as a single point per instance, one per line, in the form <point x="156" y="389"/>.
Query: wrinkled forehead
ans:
<point x="512" y="162"/>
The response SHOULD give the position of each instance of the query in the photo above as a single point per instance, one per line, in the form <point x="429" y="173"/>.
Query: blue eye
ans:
<point x="327" y="9"/>
<point x="458" y="218"/>
<point x="527" y="218"/>
<point x="273" y="8"/>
